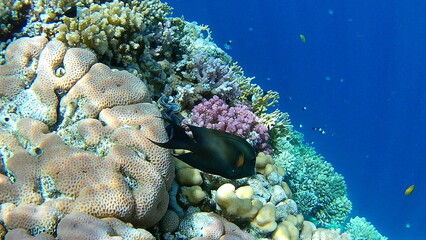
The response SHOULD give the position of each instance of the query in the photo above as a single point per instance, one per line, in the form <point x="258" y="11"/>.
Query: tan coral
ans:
<point x="141" y="124"/>
<point x="148" y="187"/>
<point x="204" y="225"/>
<point x="128" y="180"/>
<point x="51" y="76"/>
<point x="195" y="194"/>
<point x="289" y="229"/>
<point x="22" y="234"/>
<point x="92" y="131"/>
<point x="229" y="201"/>
<point x="34" y="218"/>
<point x="22" y="166"/>
<point x="265" y="219"/>
<point x="98" y="186"/>
<point x="189" y="176"/>
<point x="307" y="230"/>
<point x="103" y="88"/>
<point x="19" y="69"/>
<point x="287" y="189"/>
<point x="185" y="174"/>
<point x="265" y="164"/>
<point x="329" y="234"/>
<point x="83" y="226"/>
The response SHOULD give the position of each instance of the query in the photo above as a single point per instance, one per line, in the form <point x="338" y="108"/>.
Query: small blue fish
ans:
<point x="227" y="45"/>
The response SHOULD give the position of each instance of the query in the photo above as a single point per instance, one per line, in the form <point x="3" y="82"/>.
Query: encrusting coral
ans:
<point x="210" y="226"/>
<point x="128" y="181"/>
<point x="83" y="226"/>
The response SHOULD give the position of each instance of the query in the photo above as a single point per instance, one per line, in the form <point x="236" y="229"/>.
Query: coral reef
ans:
<point x="360" y="228"/>
<point x="76" y="157"/>
<point x="75" y="139"/>
<point x="83" y="226"/>
<point x="12" y="17"/>
<point x="239" y="120"/>
<point x="206" y="226"/>
<point x="319" y="191"/>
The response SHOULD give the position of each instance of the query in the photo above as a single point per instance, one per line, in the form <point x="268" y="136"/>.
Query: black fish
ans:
<point x="213" y="151"/>
<point x="71" y="12"/>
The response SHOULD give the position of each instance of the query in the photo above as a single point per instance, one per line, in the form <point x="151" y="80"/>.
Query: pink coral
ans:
<point x="238" y="120"/>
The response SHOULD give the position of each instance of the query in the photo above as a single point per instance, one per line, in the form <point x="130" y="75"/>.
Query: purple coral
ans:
<point x="238" y="120"/>
<point x="214" y="76"/>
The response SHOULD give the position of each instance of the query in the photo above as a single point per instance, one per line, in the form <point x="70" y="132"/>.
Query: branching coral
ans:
<point x="209" y="76"/>
<point x="277" y="121"/>
<point x="125" y="33"/>
<point x="361" y="229"/>
<point x="111" y="29"/>
<point x="239" y="120"/>
<point x="319" y="191"/>
<point x="12" y="17"/>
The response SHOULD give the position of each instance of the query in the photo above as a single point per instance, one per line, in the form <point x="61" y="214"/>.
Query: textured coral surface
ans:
<point x="74" y="138"/>
<point x="76" y="157"/>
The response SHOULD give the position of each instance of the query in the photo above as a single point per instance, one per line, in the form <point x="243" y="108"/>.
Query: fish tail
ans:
<point x="179" y="138"/>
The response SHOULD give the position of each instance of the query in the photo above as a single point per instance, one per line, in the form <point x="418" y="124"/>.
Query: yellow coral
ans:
<point x="112" y="28"/>
<point x="228" y="200"/>
<point x="187" y="175"/>
<point x="194" y="194"/>
<point x="308" y="229"/>
<point x="266" y="165"/>
<point x="265" y="219"/>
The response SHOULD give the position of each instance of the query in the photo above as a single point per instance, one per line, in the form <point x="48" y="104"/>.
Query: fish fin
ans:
<point x="178" y="140"/>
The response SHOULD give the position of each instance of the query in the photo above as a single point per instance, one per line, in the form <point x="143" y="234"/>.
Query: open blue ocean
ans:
<point x="356" y="70"/>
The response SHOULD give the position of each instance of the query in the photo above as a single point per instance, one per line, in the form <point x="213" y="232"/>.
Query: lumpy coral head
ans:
<point x="74" y="138"/>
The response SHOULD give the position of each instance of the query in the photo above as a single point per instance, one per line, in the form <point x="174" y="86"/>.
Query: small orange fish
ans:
<point x="409" y="190"/>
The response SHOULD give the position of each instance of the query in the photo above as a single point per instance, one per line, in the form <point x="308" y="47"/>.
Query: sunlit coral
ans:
<point x="239" y="120"/>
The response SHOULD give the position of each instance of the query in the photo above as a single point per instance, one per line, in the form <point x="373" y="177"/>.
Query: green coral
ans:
<point x="360" y="229"/>
<point x="319" y="191"/>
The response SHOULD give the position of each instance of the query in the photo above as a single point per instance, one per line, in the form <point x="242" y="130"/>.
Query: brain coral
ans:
<point x="74" y="138"/>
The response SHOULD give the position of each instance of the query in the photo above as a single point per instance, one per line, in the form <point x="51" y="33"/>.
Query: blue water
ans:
<point x="361" y="76"/>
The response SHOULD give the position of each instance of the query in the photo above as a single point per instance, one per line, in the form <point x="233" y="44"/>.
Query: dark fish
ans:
<point x="213" y="151"/>
<point x="227" y="45"/>
<point x="71" y="12"/>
